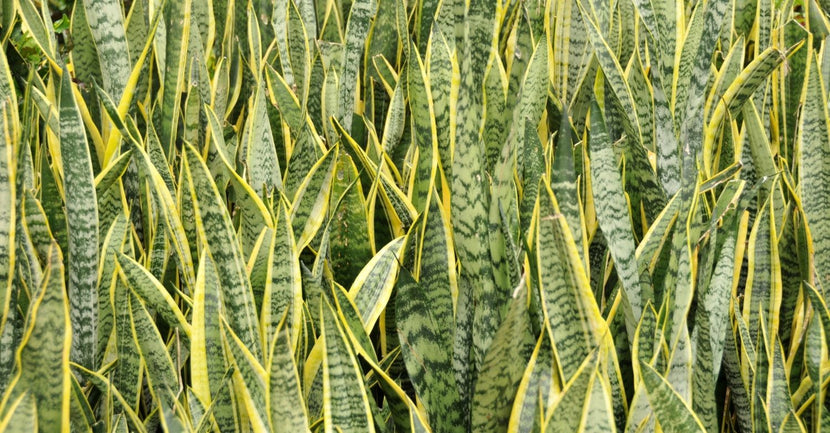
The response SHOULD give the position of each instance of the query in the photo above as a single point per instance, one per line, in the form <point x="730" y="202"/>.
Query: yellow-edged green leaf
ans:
<point x="427" y="350"/>
<point x="82" y="227"/>
<point x="43" y="357"/>
<point x="214" y="226"/>
<point x="345" y="402"/>
<point x="673" y="414"/>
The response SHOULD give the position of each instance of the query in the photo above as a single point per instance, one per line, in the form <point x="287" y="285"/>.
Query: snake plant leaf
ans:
<point x="563" y="181"/>
<point x="170" y="213"/>
<point x="614" y="218"/>
<point x="304" y="155"/>
<point x="82" y="227"/>
<point x="759" y="379"/>
<point x="821" y="319"/>
<point x="357" y="28"/>
<point x="536" y="387"/>
<point x="479" y="30"/>
<point x="11" y="339"/>
<point x="815" y="349"/>
<point x="80" y="412"/>
<point x="43" y="357"/>
<point x="750" y="79"/>
<point x="131" y="86"/>
<point x="300" y="44"/>
<point x="283" y="282"/>
<point x="394" y="125"/>
<point x="566" y="414"/>
<point x="186" y="211"/>
<point x="645" y="195"/>
<point x="136" y="32"/>
<point x="254" y="45"/>
<point x="36" y="225"/>
<point x="679" y="282"/>
<point x="778" y="393"/>
<point x="287" y="409"/>
<point x="208" y="360"/>
<point x="249" y="380"/>
<point x="598" y="413"/>
<point x="260" y="155"/>
<point x="372" y="288"/>
<point x="646" y="345"/>
<point x="161" y="372"/>
<point x="738" y="93"/>
<point x="521" y="152"/>
<point x="214" y="226"/>
<point x="253" y="210"/>
<point x="153" y="294"/>
<point x="497" y="118"/>
<point x="525" y="25"/>
<point x="613" y="71"/>
<point x="279" y="21"/>
<point x="410" y="418"/>
<point x="565" y="289"/>
<point x="471" y="239"/>
<point x="252" y="213"/>
<point x="114" y="242"/>
<point x="257" y="266"/>
<point x="667" y="147"/>
<point x="197" y="411"/>
<point x="104" y="385"/>
<point x="280" y="93"/>
<point x="427" y="351"/>
<point x="159" y="159"/>
<point x="424" y="19"/>
<point x="692" y="69"/>
<point x="501" y="372"/>
<point x="571" y="46"/>
<point x="127" y="374"/>
<point x="673" y="414"/>
<point x="352" y="326"/>
<point x="395" y="202"/>
<point x="350" y="234"/>
<point x="345" y="402"/>
<point x="814" y="155"/>
<point x="177" y="30"/>
<point x="440" y="74"/>
<point x="436" y="259"/>
<point x="727" y="72"/>
<point x="21" y="415"/>
<point x="38" y="30"/>
<point x="712" y="326"/>
<point x="106" y="25"/>
<point x="84" y="55"/>
<point x="110" y="206"/>
<point x="423" y="129"/>
<point x="311" y="200"/>
<point x="112" y="173"/>
<point x="8" y="208"/>
<point x="763" y="291"/>
<point x="679" y="365"/>
<point x="8" y="92"/>
<point x="532" y="96"/>
<point x="470" y="199"/>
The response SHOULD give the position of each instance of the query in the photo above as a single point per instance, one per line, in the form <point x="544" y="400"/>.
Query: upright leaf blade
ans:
<point x="82" y="227"/>
<point x="43" y="357"/>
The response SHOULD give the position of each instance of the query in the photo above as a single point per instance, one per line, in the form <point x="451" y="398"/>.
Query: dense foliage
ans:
<point x="414" y="215"/>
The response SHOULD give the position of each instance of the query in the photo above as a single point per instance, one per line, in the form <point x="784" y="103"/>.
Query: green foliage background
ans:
<point x="414" y="215"/>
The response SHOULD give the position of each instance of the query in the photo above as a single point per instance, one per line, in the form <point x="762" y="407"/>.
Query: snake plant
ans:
<point x="447" y="216"/>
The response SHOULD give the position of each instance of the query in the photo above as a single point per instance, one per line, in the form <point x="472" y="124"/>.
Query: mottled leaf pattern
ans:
<point x="446" y="216"/>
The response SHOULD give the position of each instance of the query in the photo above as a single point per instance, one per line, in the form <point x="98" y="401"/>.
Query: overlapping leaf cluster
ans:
<point x="414" y="215"/>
